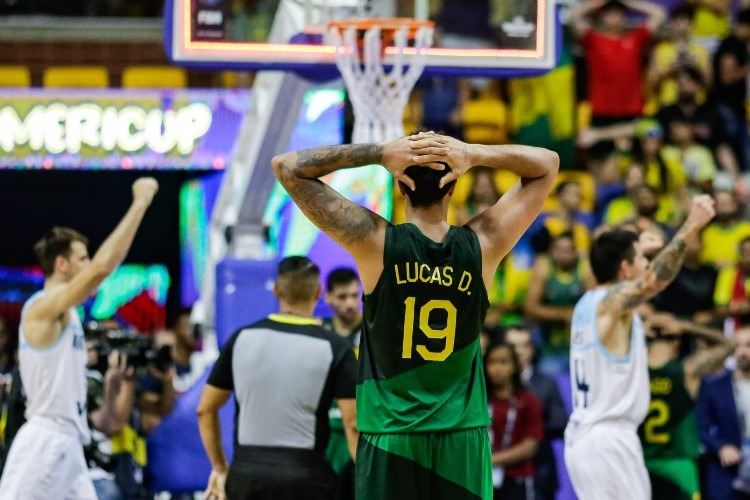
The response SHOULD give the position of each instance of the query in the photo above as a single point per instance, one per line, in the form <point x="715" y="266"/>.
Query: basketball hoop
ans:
<point x="363" y="48"/>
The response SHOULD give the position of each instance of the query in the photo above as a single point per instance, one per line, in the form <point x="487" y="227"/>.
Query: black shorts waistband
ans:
<point x="278" y="455"/>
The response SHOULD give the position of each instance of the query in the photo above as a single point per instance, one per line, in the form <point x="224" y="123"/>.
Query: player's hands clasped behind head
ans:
<point x="399" y="154"/>
<point x="701" y="212"/>
<point x="144" y="190"/>
<point x="430" y="148"/>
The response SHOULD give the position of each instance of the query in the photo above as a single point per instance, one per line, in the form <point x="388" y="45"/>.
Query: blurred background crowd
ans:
<point x="647" y="106"/>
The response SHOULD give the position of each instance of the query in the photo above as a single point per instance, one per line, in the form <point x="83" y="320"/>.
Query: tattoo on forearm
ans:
<point x="667" y="264"/>
<point x="338" y="217"/>
<point x="629" y="294"/>
<point x="318" y="162"/>
<point x="665" y="267"/>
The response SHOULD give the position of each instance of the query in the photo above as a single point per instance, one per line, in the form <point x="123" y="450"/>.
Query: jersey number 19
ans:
<point x="448" y="333"/>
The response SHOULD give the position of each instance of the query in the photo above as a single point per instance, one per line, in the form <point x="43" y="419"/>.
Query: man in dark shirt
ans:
<point x="285" y="372"/>
<point x="691" y="295"/>
<point x="731" y="67"/>
<point x="708" y="124"/>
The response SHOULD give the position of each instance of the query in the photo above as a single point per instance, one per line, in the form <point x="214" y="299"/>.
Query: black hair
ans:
<point x="683" y="10"/>
<point x="613" y="5"/>
<point x="515" y="380"/>
<point x="743" y="17"/>
<point x="692" y="73"/>
<point x="297" y="279"/>
<point x="608" y="251"/>
<point x="427" y="182"/>
<point x="340" y="276"/>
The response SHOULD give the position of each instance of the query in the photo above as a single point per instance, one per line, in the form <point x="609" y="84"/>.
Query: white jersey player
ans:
<point x="608" y="361"/>
<point x="46" y="457"/>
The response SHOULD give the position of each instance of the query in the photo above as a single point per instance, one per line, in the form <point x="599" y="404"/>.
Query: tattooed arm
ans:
<point x="358" y="230"/>
<point x="625" y="296"/>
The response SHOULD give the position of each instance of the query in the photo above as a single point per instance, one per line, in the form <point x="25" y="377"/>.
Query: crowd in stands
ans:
<point x="656" y="107"/>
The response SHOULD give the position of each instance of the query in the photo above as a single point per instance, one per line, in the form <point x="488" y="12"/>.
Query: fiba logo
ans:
<point x="518" y="27"/>
<point x="210" y="17"/>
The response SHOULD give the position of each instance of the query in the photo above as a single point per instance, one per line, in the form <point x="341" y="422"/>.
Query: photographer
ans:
<point x="156" y="394"/>
<point x="111" y="396"/>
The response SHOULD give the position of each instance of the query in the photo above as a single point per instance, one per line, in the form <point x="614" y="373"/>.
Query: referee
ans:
<point x="285" y="372"/>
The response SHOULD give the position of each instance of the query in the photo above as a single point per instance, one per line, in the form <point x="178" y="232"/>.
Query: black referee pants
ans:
<point x="259" y="473"/>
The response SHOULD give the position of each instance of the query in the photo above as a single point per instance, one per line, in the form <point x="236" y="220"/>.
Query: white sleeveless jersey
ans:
<point x="54" y="378"/>
<point x="606" y="389"/>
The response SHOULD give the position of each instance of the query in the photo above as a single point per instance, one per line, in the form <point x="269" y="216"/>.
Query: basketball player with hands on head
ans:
<point x="609" y="361"/>
<point x="421" y="398"/>
<point x="46" y="458"/>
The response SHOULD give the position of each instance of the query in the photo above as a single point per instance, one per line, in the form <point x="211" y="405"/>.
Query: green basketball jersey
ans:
<point x="420" y="362"/>
<point x="670" y="429"/>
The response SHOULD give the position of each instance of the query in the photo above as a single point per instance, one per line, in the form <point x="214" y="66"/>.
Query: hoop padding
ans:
<point x="379" y="98"/>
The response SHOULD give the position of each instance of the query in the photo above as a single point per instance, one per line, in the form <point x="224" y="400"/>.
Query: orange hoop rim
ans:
<point x="386" y="25"/>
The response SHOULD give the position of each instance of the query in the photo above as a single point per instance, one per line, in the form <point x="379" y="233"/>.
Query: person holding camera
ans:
<point x="156" y="392"/>
<point x="111" y="397"/>
<point x="46" y="457"/>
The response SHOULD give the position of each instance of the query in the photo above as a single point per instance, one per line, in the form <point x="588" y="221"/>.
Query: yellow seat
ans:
<point x="588" y="189"/>
<point x="485" y="121"/>
<point x="154" y="77"/>
<point x="76" y="76"/>
<point x="15" y="76"/>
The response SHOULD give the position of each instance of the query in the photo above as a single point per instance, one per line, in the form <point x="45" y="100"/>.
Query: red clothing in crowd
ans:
<point x="528" y="425"/>
<point x="615" y="71"/>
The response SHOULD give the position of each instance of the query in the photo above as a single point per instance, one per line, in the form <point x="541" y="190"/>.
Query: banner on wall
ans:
<point x="113" y="129"/>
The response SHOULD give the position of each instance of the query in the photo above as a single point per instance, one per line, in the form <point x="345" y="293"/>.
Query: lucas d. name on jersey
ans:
<point x="412" y="272"/>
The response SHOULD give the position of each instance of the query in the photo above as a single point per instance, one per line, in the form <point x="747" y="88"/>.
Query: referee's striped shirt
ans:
<point x="285" y="372"/>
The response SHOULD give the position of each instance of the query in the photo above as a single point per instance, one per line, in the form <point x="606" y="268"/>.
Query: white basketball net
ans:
<point x="378" y="98"/>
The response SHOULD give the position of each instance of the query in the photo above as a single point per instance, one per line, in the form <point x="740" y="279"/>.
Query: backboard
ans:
<point x="473" y="38"/>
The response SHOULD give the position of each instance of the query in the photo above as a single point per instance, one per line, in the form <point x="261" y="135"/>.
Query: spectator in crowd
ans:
<point x="509" y="289"/>
<point x="516" y="428"/>
<point x="622" y="208"/>
<point x="646" y="203"/>
<point x="732" y="293"/>
<point x="343" y="296"/>
<point x="722" y="237"/>
<point x="569" y="217"/>
<point x="710" y="21"/>
<point x="669" y="434"/>
<point x="46" y="459"/>
<point x="691" y="295"/>
<point x="697" y="160"/>
<point x="614" y="55"/>
<point x="298" y="370"/>
<point x="554" y="414"/>
<point x="482" y="195"/>
<point x="731" y="66"/>
<point x="557" y="282"/>
<point x="676" y="52"/>
<point x="664" y="172"/>
<point x="184" y="346"/>
<point x="724" y="424"/>
<point x="708" y="125"/>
